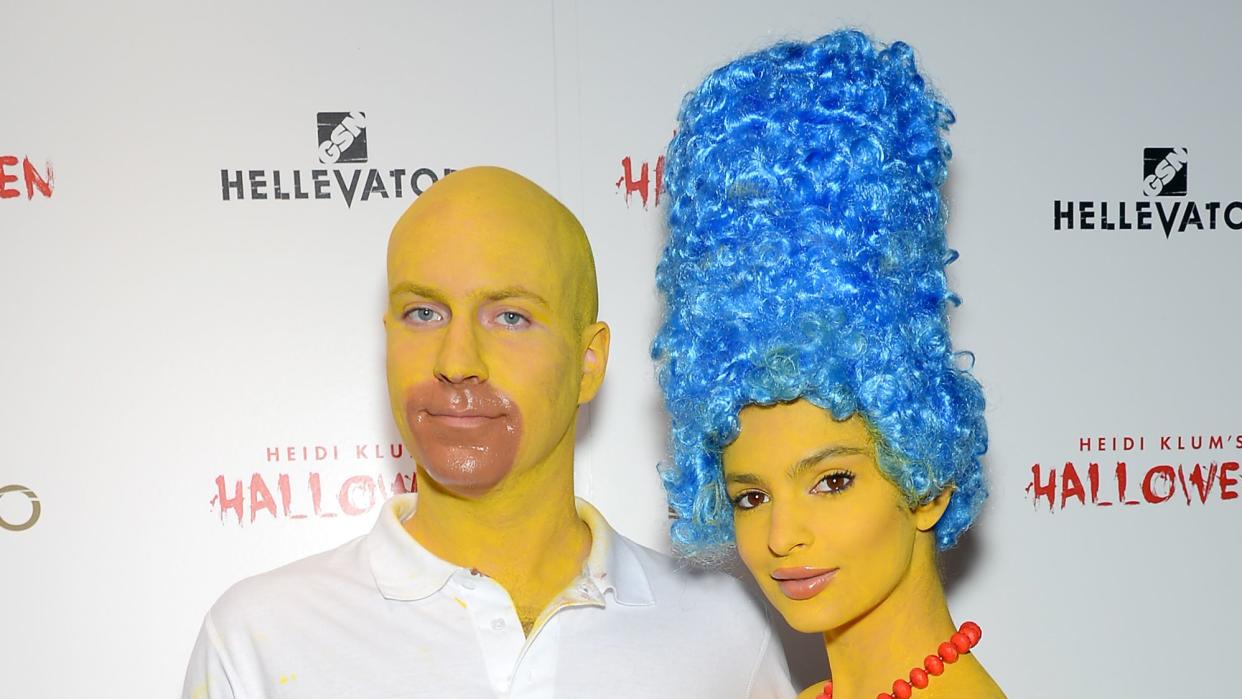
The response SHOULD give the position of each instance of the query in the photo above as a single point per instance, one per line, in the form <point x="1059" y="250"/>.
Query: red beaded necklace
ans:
<point x="967" y="637"/>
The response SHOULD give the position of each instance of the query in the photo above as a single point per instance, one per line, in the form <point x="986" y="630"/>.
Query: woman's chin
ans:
<point x="804" y="625"/>
<point x="805" y="618"/>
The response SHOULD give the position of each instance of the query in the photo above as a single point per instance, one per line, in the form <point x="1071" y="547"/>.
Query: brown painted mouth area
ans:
<point x="466" y="436"/>
<point x="461" y="422"/>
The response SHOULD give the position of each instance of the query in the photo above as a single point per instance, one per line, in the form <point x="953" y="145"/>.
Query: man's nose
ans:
<point x="459" y="358"/>
<point x="788" y="530"/>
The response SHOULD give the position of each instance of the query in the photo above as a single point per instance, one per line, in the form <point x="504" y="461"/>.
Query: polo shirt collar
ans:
<point x="612" y="565"/>
<point x="405" y="571"/>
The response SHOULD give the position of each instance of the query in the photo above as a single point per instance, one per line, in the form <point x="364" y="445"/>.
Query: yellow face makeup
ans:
<point x="490" y="327"/>
<point x="827" y="536"/>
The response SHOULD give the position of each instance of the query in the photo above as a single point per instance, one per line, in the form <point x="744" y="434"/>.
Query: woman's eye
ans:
<point x="750" y="499"/>
<point x="422" y="314"/>
<point x="834" y="482"/>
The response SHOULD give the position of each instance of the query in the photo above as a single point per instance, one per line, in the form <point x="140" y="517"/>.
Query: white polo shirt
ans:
<point x="381" y="617"/>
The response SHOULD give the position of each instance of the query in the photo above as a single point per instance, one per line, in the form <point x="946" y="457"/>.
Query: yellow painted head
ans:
<point x="825" y="532"/>
<point x="492" y="338"/>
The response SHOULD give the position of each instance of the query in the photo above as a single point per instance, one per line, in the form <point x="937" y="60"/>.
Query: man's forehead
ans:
<point x="508" y="254"/>
<point x="475" y="268"/>
<point x="453" y="233"/>
<point x="485" y="230"/>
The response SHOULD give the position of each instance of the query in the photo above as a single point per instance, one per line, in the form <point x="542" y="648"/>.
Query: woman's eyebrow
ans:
<point x="744" y="479"/>
<point x="829" y="452"/>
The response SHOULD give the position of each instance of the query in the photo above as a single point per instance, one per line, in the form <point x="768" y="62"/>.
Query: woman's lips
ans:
<point x="803" y="583"/>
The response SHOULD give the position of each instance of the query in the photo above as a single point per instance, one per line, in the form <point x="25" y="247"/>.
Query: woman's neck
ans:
<point x="883" y="644"/>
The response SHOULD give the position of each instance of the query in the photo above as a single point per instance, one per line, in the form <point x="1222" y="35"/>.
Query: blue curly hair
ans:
<point x="805" y="259"/>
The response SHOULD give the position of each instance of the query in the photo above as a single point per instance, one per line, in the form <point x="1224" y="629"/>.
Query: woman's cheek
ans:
<point x="885" y="538"/>
<point x="750" y="536"/>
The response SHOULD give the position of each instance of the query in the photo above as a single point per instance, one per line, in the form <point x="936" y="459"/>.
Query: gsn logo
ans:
<point x="35" y="509"/>
<point x="1164" y="172"/>
<point x="342" y="137"/>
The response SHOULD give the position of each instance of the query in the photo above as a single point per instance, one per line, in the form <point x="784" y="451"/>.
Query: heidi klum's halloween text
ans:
<point x="1121" y="484"/>
<point x="320" y="493"/>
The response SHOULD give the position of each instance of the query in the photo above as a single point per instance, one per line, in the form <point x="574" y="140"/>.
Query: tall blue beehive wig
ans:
<point x="805" y="259"/>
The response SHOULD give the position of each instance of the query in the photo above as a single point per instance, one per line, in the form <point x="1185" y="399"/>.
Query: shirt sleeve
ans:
<point x="770" y="678"/>
<point x="210" y="674"/>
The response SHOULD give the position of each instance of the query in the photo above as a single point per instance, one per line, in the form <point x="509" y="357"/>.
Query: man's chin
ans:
<point x="466" y="477"/>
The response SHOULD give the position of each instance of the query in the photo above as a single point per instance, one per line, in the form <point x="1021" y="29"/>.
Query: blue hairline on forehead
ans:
<point x="805" y="259"/>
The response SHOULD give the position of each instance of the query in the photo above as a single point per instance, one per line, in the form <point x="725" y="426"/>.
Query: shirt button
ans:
<point x="498" y="624"/>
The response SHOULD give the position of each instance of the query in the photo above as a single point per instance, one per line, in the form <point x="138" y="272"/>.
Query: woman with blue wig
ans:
<point x="821" y="421"/>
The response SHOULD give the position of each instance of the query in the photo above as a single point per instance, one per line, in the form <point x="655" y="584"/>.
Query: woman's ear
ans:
<point x="929" y="513"/>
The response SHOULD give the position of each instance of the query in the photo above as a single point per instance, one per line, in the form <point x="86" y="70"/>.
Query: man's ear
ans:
<point x="929" y="513"/>
<point x="595" y="341"/>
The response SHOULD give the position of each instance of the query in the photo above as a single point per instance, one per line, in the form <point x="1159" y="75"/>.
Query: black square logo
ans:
<point x="342" y="137"/>
<point x="1164" y="171"/>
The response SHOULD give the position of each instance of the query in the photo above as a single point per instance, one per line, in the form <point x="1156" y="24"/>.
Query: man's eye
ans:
<point x="750" y="499"/>
<point x="512" y="319"/>
<point x="834" y="482"/>
<point x="422" y="314"/>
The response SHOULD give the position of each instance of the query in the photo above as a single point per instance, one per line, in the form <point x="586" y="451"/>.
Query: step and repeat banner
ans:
<point x="194" y="207"/>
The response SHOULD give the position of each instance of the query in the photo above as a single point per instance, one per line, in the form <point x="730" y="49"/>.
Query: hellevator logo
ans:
<point x="342" y="137"/>
<point x="1165" y="174"/>
<point x="342" y="140"/>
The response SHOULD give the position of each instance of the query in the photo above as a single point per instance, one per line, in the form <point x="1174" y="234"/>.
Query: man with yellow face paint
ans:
<point x="493" y="580"/>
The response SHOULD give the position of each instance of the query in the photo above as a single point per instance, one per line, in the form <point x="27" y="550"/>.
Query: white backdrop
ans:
<point x="164" y="349"/>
